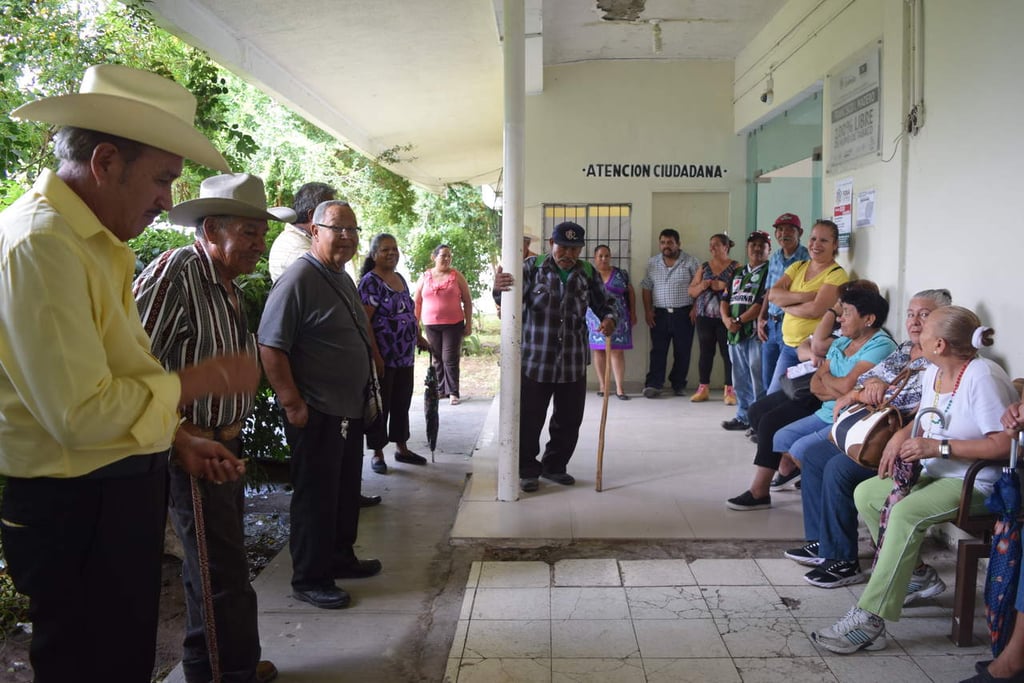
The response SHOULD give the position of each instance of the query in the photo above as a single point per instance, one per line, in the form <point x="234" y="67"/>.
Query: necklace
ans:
<point x="949" y="403"/>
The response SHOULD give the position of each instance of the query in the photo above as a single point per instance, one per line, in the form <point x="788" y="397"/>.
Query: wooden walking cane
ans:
<point x="209" y="619"/>
<point x="604" y="411"/>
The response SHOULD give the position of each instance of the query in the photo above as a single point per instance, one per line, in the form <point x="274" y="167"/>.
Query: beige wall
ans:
<point x="945" y="202"/>
<point x="634" y="112"/>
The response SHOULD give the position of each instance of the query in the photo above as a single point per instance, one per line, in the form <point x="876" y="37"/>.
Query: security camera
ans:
<point x="769" y="89"/>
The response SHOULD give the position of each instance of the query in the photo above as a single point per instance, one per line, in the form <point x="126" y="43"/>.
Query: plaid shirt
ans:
<point x="670" y="285"/>
<point x="555" y="347"/>
<point x="777" y="264"/>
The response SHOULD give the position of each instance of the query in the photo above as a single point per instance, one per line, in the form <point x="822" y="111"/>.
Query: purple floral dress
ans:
<point x="394" y="321"/>
<point x="622" y="338"/>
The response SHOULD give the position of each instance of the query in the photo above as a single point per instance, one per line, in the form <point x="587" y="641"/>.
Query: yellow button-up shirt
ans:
<point x="79" y="388"/>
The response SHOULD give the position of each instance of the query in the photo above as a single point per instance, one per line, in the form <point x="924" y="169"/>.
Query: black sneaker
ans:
<point x="735" y="425"/>
<point x="806" y="555"/>
<point x="781" y="482"/>
<point x="835" y="574"/>
<point x="651" y="392"/>
<point x="746" y="501"/>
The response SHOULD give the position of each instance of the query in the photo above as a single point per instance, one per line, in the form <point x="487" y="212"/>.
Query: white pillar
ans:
<point x="512" y="248"/>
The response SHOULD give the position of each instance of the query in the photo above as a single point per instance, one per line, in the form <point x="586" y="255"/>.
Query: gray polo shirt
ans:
<point x="306" y="318"/>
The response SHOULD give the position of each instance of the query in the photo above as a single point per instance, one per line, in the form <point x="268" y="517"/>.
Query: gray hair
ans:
<point x="956" y="325"/>
<point x="321" y="209"/>
<point x="218" y="223"/>
<point x="940" y="297"/>
<point x="76" y="145"/>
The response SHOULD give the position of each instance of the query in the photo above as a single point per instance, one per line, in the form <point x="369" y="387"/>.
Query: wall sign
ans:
<point x="855" y="121"/>
<point x="654" y="171"/>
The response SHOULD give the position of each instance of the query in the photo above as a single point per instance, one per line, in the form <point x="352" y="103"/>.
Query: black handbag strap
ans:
<point x="320" y="268"/>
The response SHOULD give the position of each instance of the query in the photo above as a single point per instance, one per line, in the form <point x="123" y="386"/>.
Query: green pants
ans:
<point x="930" y="502"/>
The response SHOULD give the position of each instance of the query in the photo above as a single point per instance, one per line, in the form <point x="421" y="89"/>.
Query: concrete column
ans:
<point x="512" y="248"/>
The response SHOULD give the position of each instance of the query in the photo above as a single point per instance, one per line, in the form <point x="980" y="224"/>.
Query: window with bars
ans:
<point x="604" y="223"/>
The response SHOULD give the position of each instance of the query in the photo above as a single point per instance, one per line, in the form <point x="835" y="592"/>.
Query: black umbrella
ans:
<point x="1004" y="559"/>
<point x="430" y="402"/>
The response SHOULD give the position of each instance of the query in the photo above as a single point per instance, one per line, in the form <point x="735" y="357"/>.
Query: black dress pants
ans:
<point x="87" y="552"/>
<point x="326" y="474"/>
<point x="396" y="388"/>
<point x="234" y="600"/>
<point x="769" y="415"/>
<point x="564" y="428"/>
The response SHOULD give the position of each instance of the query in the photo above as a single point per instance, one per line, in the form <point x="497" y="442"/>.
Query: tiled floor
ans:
<point x="673" y="621"/>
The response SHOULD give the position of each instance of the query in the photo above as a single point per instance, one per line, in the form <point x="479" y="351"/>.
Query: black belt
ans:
<point x="674" y="309"/>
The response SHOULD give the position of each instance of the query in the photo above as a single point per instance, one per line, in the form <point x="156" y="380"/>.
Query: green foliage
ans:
<point x="155" y="241"/>
<point x="460" y="219"/>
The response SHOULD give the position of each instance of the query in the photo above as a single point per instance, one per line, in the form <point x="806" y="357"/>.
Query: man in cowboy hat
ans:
<point x="557" y="290"/>
<point x="191" y="309"/>
<point x="87" y="414"/>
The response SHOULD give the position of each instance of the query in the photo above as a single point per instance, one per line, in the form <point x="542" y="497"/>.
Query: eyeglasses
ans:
<point x="340" y="229"/>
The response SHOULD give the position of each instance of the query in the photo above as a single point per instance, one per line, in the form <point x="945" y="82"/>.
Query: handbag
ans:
<point x="862" y="431"/>
<point x="796" y="389"/>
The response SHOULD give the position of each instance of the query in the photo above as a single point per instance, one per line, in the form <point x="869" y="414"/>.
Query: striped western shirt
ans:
<point x="189" y="318"/>
<point x="555" y="347"/>
<point x="670" y="285"/>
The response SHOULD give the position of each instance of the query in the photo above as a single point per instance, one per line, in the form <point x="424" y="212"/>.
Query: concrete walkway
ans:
<point x="643" y="582"/>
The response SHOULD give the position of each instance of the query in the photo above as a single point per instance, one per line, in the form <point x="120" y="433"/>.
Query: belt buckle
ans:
<point x="671" y="310"/>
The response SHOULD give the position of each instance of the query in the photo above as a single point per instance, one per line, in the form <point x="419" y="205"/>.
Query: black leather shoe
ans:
<point x="563" y="478"/>
<point x="324" y="598"/>
<point x="369" y="501"/>
<point x="529" y="484"/>
<point x="358" y="569"/>
<point x="735" y="425"/>
<point x="379" y="466"/>
<point x="410" y="458"/>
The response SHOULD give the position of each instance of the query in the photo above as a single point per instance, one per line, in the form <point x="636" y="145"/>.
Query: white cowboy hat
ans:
<point x="234" y="194"/>
<point x="132" y="104"/>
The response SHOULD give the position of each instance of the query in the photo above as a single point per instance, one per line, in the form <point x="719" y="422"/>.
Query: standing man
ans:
<point x="667" y="307"/>
<point x="769" y="321"/>
<point x="192" y="309"/>
<point x="740" y="309"/>
<point x="87" y="414"/>
<point x="296" y="238"/>
<point x="316" y="350"/>
<point x="557" y="290"/>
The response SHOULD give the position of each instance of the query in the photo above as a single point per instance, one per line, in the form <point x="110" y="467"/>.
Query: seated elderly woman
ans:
<point x="970" y="394"/>
<point x="829" y="476"/>
<point x="861" y="345"/>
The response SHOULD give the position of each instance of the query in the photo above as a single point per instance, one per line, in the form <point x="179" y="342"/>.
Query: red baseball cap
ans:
<point x="790" y="218"/>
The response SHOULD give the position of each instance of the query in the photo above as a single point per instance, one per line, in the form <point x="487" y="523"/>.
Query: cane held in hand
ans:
<point x="604" y="409"/>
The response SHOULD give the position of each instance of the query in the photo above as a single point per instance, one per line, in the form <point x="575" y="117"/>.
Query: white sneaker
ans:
<point x="924" y="583"/>
<point x="858" y="630"/>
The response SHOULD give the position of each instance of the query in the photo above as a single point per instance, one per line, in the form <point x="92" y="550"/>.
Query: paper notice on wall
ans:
<point x="865" y="208"/>
<point x="842" y="211"/>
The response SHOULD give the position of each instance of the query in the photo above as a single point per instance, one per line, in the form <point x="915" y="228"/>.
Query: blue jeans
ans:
<point x="795" y="437"/>
<point x="828" y="478"/>
<point x="770" y="351"/>
<point x="676" y="329"/>
<point x="746" y="375"/>
<point x="787" y="359"/>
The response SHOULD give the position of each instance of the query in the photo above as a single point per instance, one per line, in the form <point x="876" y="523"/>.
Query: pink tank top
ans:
<point x="442" y="300"/>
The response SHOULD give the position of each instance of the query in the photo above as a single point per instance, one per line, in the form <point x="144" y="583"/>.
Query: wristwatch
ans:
<point x="944" y="449"/>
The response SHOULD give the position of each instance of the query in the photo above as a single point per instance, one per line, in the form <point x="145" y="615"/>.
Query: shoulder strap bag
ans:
<point x="862" y="431"/>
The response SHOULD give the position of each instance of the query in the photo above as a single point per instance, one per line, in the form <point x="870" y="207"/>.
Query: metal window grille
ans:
<point x="605" y="224"/>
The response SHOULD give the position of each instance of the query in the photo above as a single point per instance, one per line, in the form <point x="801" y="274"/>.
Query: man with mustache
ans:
<point x="191" y="308"/>
<point x="769" y="321"/>
<point x="557" y="289"/>
<point x="667" y="307"/>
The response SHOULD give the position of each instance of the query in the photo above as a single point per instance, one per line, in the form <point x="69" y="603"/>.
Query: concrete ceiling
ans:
<point x="381" y="74"/>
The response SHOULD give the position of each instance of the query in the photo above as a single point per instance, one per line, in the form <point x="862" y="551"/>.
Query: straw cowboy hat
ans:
<point x="132" y="104"/>
<point x="234" y="194"/>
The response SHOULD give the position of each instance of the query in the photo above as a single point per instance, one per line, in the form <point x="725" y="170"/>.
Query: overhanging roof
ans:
<point x="382" y="74"/>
